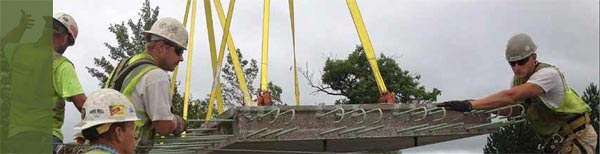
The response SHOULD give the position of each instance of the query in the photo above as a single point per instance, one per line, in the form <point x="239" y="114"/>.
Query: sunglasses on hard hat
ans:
<point x="519" y="62"/>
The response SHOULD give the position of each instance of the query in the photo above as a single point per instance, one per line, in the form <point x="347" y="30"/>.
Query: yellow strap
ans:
<point x="366" y="43"/>
<point x="234" y="58"/>
<point x="216" y="81"/>
<point x="211" y="42"/>
<point x="291" y="2"/>
<point x="189" y="62"/>
<point x="185" y="16"/>
<point x="265" y="47"/>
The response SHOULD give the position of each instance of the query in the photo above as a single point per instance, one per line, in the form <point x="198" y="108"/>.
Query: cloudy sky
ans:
<point x="456" y="46"/>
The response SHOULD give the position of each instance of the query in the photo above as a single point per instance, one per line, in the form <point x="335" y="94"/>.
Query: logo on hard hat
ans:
<point x="96" y="112"/>
<point x="66" y="19"/>
<point x="117" y="110"/>
<point x="527" y="48"/>
<point x="74" y="30"/>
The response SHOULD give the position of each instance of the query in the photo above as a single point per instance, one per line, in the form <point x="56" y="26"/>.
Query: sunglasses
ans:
<point x="178" y="51"/>
<point x="58" y="26"/>
<point x="519" y="62"/>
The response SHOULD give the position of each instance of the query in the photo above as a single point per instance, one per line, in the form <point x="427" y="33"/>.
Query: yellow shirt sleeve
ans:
<point x="67" y="83"/>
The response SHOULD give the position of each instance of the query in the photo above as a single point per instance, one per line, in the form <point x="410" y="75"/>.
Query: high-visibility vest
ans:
<point x="124" y="78"/>
<point x="548" y="121"/>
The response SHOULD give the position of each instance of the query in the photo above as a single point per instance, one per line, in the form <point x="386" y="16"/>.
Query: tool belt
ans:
<point x="573" y="126"/>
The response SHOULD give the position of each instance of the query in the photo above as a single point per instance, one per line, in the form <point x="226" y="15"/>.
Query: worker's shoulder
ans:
<point x="156" y="74"/>
<point x="548" y="71"/>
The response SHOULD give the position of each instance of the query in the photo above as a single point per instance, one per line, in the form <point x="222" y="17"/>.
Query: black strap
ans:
<point x="579" y="146"/>
<point x="119" y="82"/>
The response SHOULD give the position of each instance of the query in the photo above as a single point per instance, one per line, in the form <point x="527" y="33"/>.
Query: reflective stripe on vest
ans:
<point x="143" y="130"/>
<point x="547" y="121"/>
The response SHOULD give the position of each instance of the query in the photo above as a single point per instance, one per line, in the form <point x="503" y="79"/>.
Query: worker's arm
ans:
<point x="507" y="97"/>
<point x="158" y="103"/>
<point x="78" y="101"/>
<point x="503" y="98"/>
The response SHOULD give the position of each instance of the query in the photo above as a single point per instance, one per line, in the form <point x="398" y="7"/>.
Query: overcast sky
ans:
<point x="456" y="46"/>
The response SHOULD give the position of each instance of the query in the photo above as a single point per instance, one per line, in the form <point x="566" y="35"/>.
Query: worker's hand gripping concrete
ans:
<point x="457" y="105"/>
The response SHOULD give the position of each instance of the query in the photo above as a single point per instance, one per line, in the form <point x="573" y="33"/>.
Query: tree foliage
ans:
<point x="130" y="41"/>
<point x="232" y="93"/>
<point x="354" y="79"/>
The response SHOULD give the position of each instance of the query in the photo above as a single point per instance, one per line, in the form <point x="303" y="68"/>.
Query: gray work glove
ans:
<point x="457" y="105"/>
<point x="181" y="125"/>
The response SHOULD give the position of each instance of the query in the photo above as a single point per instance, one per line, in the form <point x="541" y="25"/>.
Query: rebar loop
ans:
<point x="380" y="114"/>
<point x="411" y="111"/>
<point x="363" y="113"/>
<point x="319" y="115"/>
<point x="274" y="110"/>
<point x="436" y="110"/>
<point x="331" y="130"/>
<point x="283" y="113"/>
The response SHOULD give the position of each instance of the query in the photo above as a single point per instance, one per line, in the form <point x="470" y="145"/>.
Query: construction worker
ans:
<point x="108" y="123"/>
<point x="558" y="115"/>
<point x="65" y="84"/>
<point x="144" y="80"/>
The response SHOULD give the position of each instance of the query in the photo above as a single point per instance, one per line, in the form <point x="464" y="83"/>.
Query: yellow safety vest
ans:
<point x="547" y="121"/>
<point x="124" y="78"/>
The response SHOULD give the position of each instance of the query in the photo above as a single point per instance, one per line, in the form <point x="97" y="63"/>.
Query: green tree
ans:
<point x="232" y="93"/>
<point x="591" y="96"/>
<point x="513" y="138"/>
<point x="131" y="41"/>
<point x="353" y="78"/>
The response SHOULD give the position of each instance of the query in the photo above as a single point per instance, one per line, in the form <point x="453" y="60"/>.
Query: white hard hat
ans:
<point x="170" y="29"/>
<point x="106" y="106"/>
<point x="69" y="22"/>
<point x="519" y="46"/>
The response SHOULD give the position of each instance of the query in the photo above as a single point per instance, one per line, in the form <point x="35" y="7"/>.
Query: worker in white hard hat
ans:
<point x="108" y="123"/>
<point x="558" y="115"/>
<point x="65" y="83"/>
<point x="143" y="78"/>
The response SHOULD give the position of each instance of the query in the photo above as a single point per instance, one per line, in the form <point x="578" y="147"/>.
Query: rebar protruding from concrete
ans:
<point x="498" y="110"/>
<point x="412" y="128"/>
<point x="286" y="131"/>
<point x="319" y="115"/>
<point x="520" y="115"/>
<point x="364" y="114"/>
<point x="430" y="127"/>
<point x="447" y="126"/>
<point x="285" y="112"/>
<point x="271" y="132"/>
<point x="436" y="110"/>
<point x="256" y="132"/>
<point x="412" y="112"/>
<point x="331" y="130"/>
<point x="369" y="129"/>
<point x="274" y="110"/>
<point x="380" y="114"/>
<point x="351" y="130"/>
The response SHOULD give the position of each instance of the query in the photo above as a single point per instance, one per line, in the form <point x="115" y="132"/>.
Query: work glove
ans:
<point x="457" y="105"/>
<point x="180" y="126"/>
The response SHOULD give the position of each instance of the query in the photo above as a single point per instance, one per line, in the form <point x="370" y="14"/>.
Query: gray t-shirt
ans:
<point x="151" y="95"/>
<point x="549" y="79"/>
